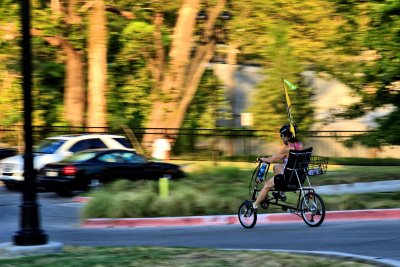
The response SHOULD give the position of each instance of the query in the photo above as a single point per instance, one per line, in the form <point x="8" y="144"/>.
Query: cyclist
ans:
<point x="290" y="143"/>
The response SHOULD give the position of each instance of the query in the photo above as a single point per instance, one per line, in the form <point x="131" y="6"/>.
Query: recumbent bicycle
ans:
<point x="309" y="205"/>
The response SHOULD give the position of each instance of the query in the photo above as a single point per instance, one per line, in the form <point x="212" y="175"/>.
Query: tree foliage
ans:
<point x="269" y="103"/>
<point x="10" y="92"/>
<point x="356" y="41"/>
<point x="371" y="36"/>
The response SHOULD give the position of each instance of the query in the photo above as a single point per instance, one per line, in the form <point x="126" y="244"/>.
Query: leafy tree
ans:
<point x="57" y="41"/>
<point x="269" y="104"/>
<point x="209" y="105"/>
<point x="285" y="38"/>
<point x="157" y="53"/>
<point x="10" y="93"/>
<point x="186" y="64"/>
<point x="372" y="48"/>
<point x="130" y="77"/>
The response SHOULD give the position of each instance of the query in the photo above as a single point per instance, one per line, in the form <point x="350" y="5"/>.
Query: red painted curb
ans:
<point x="389" y="214"/>
<point x="81" y="199"/>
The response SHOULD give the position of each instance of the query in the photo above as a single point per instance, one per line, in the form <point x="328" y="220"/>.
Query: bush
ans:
<point x="99" y="205"/>
<point x="210" y="190"/>
<point x="205" y="191"/>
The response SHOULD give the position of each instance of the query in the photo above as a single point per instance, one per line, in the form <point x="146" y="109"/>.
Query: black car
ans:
<point x="7" y="152"/>
<point x="95" y="167"/>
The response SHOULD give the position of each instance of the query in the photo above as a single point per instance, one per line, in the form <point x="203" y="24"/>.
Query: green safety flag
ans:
<point x="290" y="85"/>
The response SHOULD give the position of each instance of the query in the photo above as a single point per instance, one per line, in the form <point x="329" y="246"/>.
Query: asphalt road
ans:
<point x="60" y="220"/>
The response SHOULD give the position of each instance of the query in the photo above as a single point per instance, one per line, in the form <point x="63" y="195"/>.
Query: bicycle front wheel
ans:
<point x="247" y="216"/>
<point x="312" y="209"/>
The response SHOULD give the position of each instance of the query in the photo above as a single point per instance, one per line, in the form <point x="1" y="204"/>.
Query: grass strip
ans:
<point x="191" y="257"/>
<point x="219" y="190"/>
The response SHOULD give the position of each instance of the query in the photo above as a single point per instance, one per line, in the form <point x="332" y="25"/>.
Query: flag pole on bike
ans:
<point x="289" y="103"/>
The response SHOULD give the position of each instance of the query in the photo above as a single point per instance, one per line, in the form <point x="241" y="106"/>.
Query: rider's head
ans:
<point x="286" y="134"/>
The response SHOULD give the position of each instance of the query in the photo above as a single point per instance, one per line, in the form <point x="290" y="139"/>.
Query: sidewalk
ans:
<point x="356" y="188"/>
<point x="359" y="188"/>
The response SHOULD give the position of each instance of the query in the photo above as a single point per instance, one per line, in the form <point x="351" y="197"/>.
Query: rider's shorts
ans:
<point x="279" y="181"/>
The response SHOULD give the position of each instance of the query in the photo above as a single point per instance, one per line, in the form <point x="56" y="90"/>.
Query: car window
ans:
<point x="87" y="144"/>
<point x="123" y="141"/>
<point x="79" y="146"/>
<point x="130" y="157"/>
<point x="80" y="157"/>
<point x="111" y="157"/>
<point x="96" y="143"/>
<point x="49" y="146"/>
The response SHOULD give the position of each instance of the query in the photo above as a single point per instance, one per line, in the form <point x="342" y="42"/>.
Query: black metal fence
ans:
<point x="217" y="144"/>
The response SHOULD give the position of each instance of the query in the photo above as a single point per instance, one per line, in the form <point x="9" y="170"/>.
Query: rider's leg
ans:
<point x="264" y="192"/>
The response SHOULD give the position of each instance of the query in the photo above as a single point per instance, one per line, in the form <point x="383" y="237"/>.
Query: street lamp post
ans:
<point x="30" y="233"/>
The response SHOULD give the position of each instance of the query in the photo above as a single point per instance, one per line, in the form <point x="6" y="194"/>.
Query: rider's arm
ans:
<point x="275" y="157"/>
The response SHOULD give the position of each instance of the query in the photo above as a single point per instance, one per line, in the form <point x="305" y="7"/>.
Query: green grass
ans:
<point x="336" y="174"/>
<point x="365" y="161"/>
<point x="146" y="256"/>
<point x="219" y="189"/>
<point x="363" y="201"/>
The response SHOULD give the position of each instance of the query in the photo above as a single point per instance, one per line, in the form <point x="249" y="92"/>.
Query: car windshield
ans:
<point x="123" y="141"/>
<point x="49" y="146"/>
<point x="80" y="157"/>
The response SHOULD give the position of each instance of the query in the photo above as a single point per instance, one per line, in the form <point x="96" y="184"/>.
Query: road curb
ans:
<point x="348" y="215"/>
<point x="10" y="250"/>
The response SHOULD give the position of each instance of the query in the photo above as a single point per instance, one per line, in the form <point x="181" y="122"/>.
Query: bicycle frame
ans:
<point x="310" y="206"/>
<point x="276" y="202"/>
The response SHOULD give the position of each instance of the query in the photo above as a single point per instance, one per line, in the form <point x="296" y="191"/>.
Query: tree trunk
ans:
<point x="97" y="66"/>
<point x="183" y="74"/>
<point x="171" y="85"/>
<point x="74" y="94"/>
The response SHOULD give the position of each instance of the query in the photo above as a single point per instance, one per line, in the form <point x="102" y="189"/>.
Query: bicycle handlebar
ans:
<point x="258" y="160"/>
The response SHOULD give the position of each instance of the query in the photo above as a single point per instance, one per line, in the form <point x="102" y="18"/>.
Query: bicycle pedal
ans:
<point x="279" y="196"/>
<point x="264" y="204"/>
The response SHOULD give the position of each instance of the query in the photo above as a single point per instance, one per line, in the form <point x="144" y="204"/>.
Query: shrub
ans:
<point x="99" y="205"/>
<point x="210" y="190"/>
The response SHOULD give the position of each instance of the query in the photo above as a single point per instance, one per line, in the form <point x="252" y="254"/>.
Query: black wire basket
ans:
<point x="317" y="166"/>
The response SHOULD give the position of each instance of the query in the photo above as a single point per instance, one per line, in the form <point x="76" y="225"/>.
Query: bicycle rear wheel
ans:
<point x="312" y="209"/>
<point x="247" y="216"/>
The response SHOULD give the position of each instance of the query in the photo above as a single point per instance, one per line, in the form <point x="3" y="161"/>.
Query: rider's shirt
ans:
<point x="295" y="146"/>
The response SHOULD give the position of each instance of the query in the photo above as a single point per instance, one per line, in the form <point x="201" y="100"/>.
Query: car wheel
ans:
<point x="64" y="193"/>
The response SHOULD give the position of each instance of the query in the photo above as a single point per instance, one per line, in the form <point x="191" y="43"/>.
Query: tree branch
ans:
<point x="125" y="14"/>
<point x="54" y="41"/>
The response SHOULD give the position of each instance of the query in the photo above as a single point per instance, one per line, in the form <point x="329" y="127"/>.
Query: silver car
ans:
<point x="54" y="149"/>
